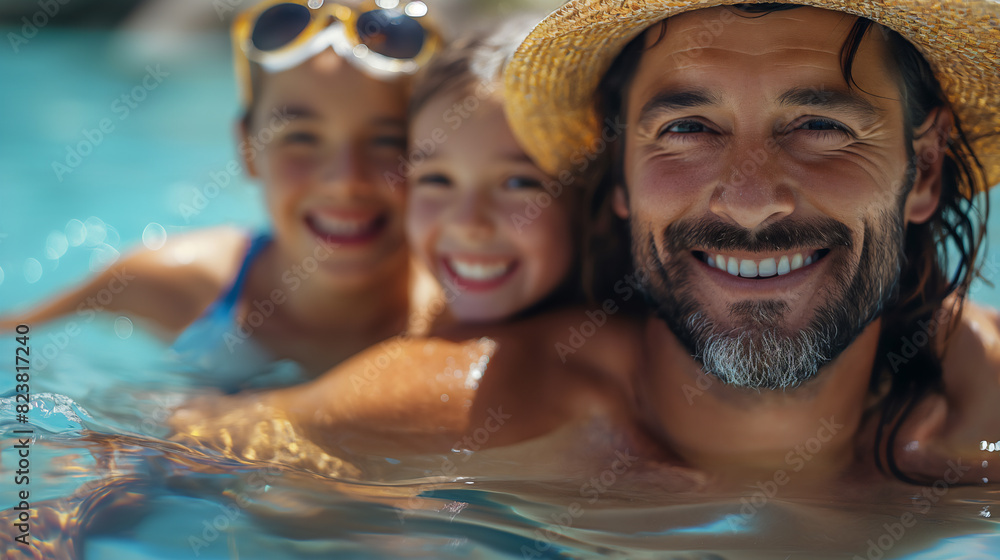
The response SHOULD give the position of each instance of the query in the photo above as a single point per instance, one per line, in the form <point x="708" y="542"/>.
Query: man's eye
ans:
<point x="684" y="127"/>
<point x="517" y="183"/>
<point x="433" y="180"/>
<point x="822" y="125"/>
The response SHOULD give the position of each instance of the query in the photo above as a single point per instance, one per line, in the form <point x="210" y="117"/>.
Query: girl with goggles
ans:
<point x="325" y="119"/>
<point x="385" y="39"/>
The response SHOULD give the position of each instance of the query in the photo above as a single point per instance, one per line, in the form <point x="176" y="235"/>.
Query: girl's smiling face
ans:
<point x="323" y="138"/>
<point x="470" y="201"/>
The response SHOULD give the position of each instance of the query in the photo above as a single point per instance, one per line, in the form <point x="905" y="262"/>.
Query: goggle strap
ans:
<point x="332" y="36"/>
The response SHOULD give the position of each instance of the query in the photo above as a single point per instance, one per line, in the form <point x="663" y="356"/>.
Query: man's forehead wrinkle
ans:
<point x="673" y="48"/>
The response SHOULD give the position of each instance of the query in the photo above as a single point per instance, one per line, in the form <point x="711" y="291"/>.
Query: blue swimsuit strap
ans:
<point x="228" y="301"/>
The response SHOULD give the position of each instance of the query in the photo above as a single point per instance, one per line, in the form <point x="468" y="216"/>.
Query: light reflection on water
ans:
<point x="106" y="485"/>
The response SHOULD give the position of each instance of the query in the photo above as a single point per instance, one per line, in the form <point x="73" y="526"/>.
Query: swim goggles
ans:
<point x="383" y="38"/>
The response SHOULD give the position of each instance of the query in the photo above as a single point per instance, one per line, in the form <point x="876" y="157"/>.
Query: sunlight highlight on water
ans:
<point x="154" y="236"/>
<point x="32" y="271"/>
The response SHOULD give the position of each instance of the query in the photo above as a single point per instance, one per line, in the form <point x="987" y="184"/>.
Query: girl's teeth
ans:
<point x="764" y="269"/>
<point x="479" y="271"/>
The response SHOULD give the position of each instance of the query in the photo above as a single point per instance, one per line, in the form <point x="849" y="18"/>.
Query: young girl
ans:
<point x="322" y="128"/>
<point x="502" y="239"/>
<point x="498" y="234"/>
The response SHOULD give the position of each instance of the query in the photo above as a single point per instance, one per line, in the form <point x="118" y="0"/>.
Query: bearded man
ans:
<point x="803" y="185"/>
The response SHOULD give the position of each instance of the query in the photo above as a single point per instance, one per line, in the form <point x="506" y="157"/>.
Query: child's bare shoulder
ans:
<point x="212" y="251"/>
<point x="174" y="283"/>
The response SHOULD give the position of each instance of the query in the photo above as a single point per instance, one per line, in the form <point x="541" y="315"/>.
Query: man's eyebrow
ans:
<point x="673" y="100"/>
<point x="830" y="99"/>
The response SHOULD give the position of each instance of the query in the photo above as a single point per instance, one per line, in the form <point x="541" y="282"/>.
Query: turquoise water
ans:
<point x="101" y="394"/>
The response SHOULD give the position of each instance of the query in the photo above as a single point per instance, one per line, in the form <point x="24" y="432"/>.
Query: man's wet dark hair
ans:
<point x="942" y="255"/>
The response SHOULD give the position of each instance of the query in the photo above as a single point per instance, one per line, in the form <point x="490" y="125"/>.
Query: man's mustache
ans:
<point x="784" y="235"/>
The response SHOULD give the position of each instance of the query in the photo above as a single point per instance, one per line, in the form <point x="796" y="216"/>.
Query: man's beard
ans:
<point x="758" y="350"/>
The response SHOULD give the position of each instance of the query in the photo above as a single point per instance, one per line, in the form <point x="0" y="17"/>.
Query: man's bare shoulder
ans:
<point x="591" y="338"/>
<point x="953" y="424"/>
<point x="971" y="358"/>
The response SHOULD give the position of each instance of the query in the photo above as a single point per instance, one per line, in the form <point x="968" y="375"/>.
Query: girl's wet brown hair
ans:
<point x="942" y="256"/>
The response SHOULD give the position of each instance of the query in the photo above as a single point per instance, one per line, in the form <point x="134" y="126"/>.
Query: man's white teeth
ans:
<point x="760" y="269"/>
<point x="767" y="267"/>
<point x="797" y="261"/>
<point x="477" y="271"/>
<point x="783" y="266"/>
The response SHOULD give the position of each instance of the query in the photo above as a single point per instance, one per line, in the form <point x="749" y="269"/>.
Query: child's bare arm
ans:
<point x="168" y="287"/>
<point x="401" y="394"/>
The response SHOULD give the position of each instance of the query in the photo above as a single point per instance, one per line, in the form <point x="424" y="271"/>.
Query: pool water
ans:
<point x="86" y="173"/>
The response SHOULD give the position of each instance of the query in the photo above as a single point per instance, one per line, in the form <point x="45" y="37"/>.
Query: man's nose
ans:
<point x="753" y="190"/>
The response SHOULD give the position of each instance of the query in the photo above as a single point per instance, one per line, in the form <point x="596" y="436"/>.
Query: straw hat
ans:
<point x="552" y="80"/>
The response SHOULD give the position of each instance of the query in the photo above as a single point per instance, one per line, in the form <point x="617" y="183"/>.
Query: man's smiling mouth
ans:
<point x="778" y="265"/>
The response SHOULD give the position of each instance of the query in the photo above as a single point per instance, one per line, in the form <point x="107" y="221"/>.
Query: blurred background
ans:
<point x="117" y="131"/>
